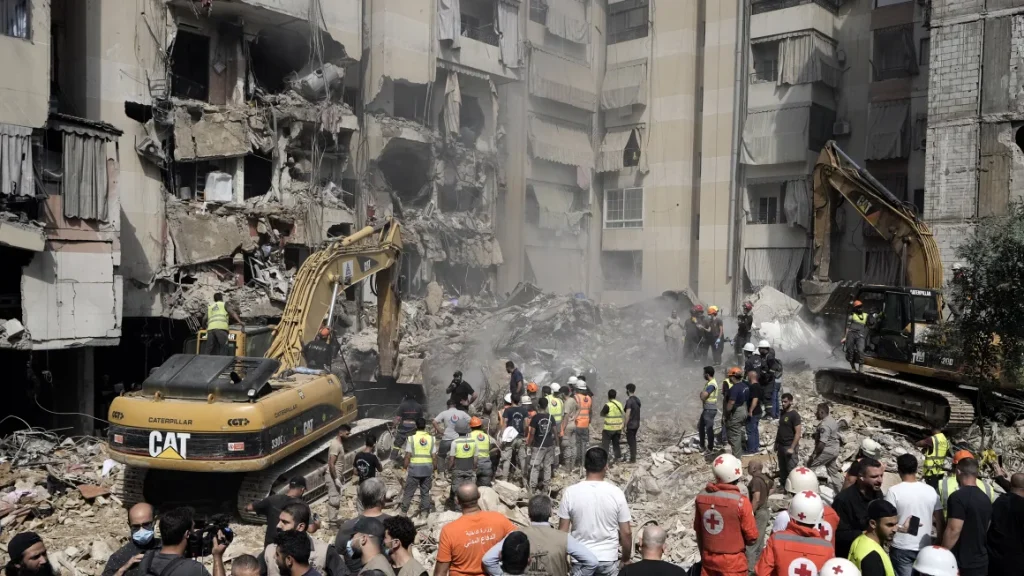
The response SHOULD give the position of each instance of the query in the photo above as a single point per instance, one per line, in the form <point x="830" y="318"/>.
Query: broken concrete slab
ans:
<point x="204" y="132"/>
<point x="433" y="299"/>
<point x="200" y="238"/>
<point x="24" y="236"/>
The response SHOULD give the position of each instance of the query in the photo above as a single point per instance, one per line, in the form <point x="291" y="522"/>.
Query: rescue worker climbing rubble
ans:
<point x="744" y="325"/>
<point x="485" y="446"/>
<point x="799" y="550"/>
<point x="716" y="335"/>
<point x="855" y="335"/>
<point x="724" y="521"/>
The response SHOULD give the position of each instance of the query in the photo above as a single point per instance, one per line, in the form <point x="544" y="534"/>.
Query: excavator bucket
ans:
<point x="380" y="399"/>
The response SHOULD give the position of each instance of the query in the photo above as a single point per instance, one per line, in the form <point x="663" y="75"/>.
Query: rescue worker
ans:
<point x="736" y="413"/>
<point x="614" y="417"/>
<point x="567" y="438"/>
<point x="513" y="435"/>
<point x="724" y="521"/>
<point x="541" y="439"/>
<point x="948" y="485"/>
<point x="751" y="358"/>
<point x="856" y="331"/>
<point x="841" y="567"/>
<point x="693" y="330"/>
<point x="584" y="401"/>
<point x="716" y="335"/>
<point x="935" y="561"/>
<point x="868" y="552"/>
<point x="709" y="399"/>
<point x="217" y="315"/>
<point x="799" y="548"/>
<point x="828" y="444"/>
<point x="484" y="448"/>
<point x="420" y="461"/>
<point x="405" y="423"/>
<point x="320" y="351"/>
<point x="673" y="334"/>
<point x="936" y="448"/>
<point x="770" y="376"/>
<point x="803" y="479"/>
<point x="531" y="390"/>
<point x="556" y="407"/>
<point x="734" y="376"/>
<point x="705" y="339"/>
<point x="744" y="324"/>
<point x="462" y="459"/>
<point x="868" y="449"/>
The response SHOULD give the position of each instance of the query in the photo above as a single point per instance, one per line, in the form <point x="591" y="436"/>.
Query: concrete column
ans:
<point x="238" y="180"/>
<point x="85" y="391"/>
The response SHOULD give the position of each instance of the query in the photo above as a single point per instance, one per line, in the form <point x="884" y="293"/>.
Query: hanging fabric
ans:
<point x="452" y="103"/>
<point x="625" y="85"/>
<point x="16" y="176"/>
<point x="777" y="135"/>
<point x="797" y="204"/>
<point x="560" y="143"/>
<point x="807" y="58"/>
<point x="888" y="136"/>
<point x="568" y="19"/>
<point x="775" y="267"/>
<point x="509" y="38"/>
<point x="84" y="184"/>
<point x="449" y="21"/>
<point x="563" y="80"/>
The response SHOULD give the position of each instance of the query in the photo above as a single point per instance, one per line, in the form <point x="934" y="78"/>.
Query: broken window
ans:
<point x="190" y="66"/>
<point x="622" y="270"/>
<point x="191" y="179"/>
<point x="258" y="174"/>
<point x="410" y="101"/>
<point x="477" y="19"/>
<point x="15" y="18"/>
<point x="408" y="168"/>
<point x="539" y="11"/>
<point x="460" y="278"/>
<point x="627" y="20"/>
<point x="766" y="203"/>
<point x="273" y="57"/>
<point x="765" y="62"/>
<point x="821" y="121"/>
<point x="894" y="53"/>
<point x="471" y="118"/>
<point x="624" y="208"/>
<point x="451" y="199"/>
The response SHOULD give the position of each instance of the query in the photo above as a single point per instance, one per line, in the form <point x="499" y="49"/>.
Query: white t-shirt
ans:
<point x="449" y="418"/>
<point x="914" y="499"/>
<point x="595" y="509"/>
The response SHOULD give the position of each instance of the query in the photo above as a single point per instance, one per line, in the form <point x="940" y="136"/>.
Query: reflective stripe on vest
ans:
<point x="862" y="547"/>
<point x="712" y="401"/>
<point x="796" y="554"/>
<point x="613" y="421"/>
<point x="803" y="539"/>
<point x="217" y="316"/>
<point x="464" y="451"/>
<point x="933" y="463"/>
<point x="483" y="445"/>
<point x="948" y="485"/>
<point x="583" y="417"/>
<point x="422" y="448"/>
<point x="859" y="317"/>
<point x="555" y="408"/>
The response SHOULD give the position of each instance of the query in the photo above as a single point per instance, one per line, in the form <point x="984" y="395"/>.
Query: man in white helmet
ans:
<point x="724" y="520"/>
<point x="935" y="561"/>
<point x="751" y="359"/>
<point x="803" y="480"/>
<point x="799" y="549"/>
<point x="838" y="567"/>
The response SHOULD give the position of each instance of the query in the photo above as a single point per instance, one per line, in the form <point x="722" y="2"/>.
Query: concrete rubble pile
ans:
<point x="777" y="319"/>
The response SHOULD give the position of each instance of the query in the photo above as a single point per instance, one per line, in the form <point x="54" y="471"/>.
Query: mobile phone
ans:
<point x="915" y="524"/>
<point x="1000" y="459"/>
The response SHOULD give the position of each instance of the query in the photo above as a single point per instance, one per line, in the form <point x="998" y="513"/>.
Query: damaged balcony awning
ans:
<point x="555" y="207"/>
<point x="625" y="85"/>
<point x="568" y="19"/>
<point x="888" y="137"/>
<point x="84" y="186"/>
<point x="611" y="155"/>
<point x="562" y="80"/>
<point x="22" y="236"/>
<point x="560" y="143"/>
<point x="16" y="176"/>
<point x="776" y="135"/>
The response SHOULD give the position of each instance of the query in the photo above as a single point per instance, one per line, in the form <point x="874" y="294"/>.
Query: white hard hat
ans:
<point x="756" y="353"/>
<point x="763" y="344"/>
<point x="870" y="448"/>
<point x="573" y="380"/>
<point x="525" y="400"/>
<point x="806" y="508"/>
<point x="749" y="347"/>
<point x="555" y="387"/>
<point x="839" y="567"/>
<point x="581" y="384"/>
<point x="508" y="398"/>
<point x="801" y="479"/>
<point x="936" y="561"/>
<point x="727" y="468"/>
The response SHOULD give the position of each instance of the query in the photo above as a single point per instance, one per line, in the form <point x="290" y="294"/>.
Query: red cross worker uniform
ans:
<point x="802" y="479"/>
<point x="839" y="567"/>
<point x="799" y="550"/>
<point x="724" y="521"/>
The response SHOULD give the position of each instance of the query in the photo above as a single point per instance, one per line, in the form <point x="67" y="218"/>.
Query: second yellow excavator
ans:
<point x="228" y="430"/>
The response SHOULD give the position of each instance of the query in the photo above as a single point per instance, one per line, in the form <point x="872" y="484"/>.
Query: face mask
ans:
<point x="142" y="536"/>
<point x="353" y="553"/>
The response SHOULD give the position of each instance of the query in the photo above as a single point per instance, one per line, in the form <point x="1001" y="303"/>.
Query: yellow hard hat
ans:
<point x="712" y="310"/>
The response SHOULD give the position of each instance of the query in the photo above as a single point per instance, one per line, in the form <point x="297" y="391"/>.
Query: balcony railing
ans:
<point x="485" y="34"/>
<point x="766" y="71"/>
<point x="759" y="6"/>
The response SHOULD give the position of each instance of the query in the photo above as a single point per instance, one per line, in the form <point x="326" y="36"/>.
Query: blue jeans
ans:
<point x="776" y="393"/>
<point x="753" y="434"/>
<point x="902" y="561"/>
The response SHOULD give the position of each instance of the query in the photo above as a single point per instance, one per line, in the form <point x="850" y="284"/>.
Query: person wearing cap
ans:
<point x="270" y="507"/>
<point x="320" y="351"/>
<point x="513" y="436"/>
<point x="584" y="402"/>
<point x="336" y="472"/>
<point x="950" y="484"/>
<point x="936" y="448"/>
<point x="744" y="325"/>
<point x="28" y="556"/>
<point x="803" y="480"/>
<point x="541" y="438"/>
<point x="673" y="334"/>
<point x="373" y="495"/>
<point x="420" y="461"/>
<point x="444" y="424"/>
<point x="868" y="550"/>
<point x="463" y="542"/>
<point x="724" y="521"/>
<point x="828" y="443"/>
<point x="632" y="420"/>
<point x="911" y="498"/>
<point x="787" y="439"/>
<point x="484" y="447"/>
<point x="717" y="335"/>
<point x="709" y="401"/>
<point x="868" y="449"/>
<point x="936" y="561"/>
<point x="405" y="424"/>
<point x="550" y="548"/>
<point x="461" y="461"/>
<point x="838" y="567"/>
<point x="367" y="543"/>
<point x="399" y="536"/>
<point x="799" y="548"/>
<point x="852" y="504"/>
<point x="613" y="413"/>
<point x="968" y="515"/>
<point x="856" y="332"/>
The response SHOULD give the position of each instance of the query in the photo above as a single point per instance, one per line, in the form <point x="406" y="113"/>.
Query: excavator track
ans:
<point x="895" y="400"/>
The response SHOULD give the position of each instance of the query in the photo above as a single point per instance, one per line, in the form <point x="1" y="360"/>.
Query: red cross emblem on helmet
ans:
<point x="713" y="521"/>
<point x="801" y="567"/>
<point x="719" y="460"/>
<point x="837" y="569"/>
<point x="809" y="494"/>
<point x="826" y="531"/>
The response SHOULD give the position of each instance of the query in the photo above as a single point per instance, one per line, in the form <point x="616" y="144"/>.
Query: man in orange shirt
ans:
<point x="463" y="543"/>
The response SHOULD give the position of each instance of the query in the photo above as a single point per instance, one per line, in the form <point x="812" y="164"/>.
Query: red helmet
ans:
<point x="698" y="308"/>
<point x="748" y="306"/>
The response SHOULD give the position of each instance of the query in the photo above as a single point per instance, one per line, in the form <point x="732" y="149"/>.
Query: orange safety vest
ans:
<point x="583" y="417"/>
<point x="829" y="525"/>
<point x="720" y="521"/>
<point x="790" y="552"/>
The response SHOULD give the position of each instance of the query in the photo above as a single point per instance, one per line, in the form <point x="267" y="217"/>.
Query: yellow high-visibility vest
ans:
<point x="483" y="444"/>
<point x="863" y="546"/>
<point x="712" y="401"/>
<point x="217" y="316"/>
<point x="422" y="448"/>
<point x="948" y="485"/>
<point x="613" y="421"/>
<point x="859" y="317"/>
<point x="555" y="408"/>
<point x="937" y="457"/>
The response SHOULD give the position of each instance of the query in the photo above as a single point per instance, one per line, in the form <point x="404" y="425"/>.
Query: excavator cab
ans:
<point x="248" y="341"/>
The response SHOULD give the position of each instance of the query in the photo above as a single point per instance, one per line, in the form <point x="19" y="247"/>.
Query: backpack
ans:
<point x="147" y="563"/>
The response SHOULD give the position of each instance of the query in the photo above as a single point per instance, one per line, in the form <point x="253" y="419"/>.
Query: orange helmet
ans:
<point x="712" y="310"/>
<point x="531" y="387"/>
<point x="735" y="371"/>
<point x="325" y="332"/>
<point x="475" y="422"/>
<point x="857" y="303"/>
<point x="961" y="454"/>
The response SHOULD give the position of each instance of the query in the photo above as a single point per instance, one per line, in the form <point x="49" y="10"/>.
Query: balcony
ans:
<point x="762" y="6"/>
<point x="764" y="72"/>
<point x="481" y="33"/>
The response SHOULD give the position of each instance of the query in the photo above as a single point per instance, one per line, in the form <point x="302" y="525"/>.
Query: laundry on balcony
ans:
<point x="16" y="177"/>
<point x="563" y="80"/>
<point x="568" y="19"/>
<point x="561" y="143"/>
<point x="624" y="85"/>
<point x="621" y="148"/>
<point x="449" y="21"/>
<point x="776" y="135"/>
<point x="888" y="134"/>
<point x="797" y="203"/>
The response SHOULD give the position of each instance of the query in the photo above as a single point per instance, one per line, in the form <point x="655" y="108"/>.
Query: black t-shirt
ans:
<point x="154" y="564"/>
<point x="461" y="393"/>
<point x="788" y="422"/>
<point x="513" y="381"/>
<point x="872" y="565"/>
<point x="126" y="553"/>
<point x="345" y="533"/>
<point x="366" y="465"/>
<point x="716" y="326"/>
<point x="1006" y="534"/>
<point x="270" y="507"/>
<point x="972" y="506"/>
<point x="743" y="324"/>
<point x="409" y="410"/>
<point x="633" y="407"/>
<point x="757" y="391"/>
<point x="515" y="416"/>
<point x="652" y="568"/>
<point x="543" y="432"/>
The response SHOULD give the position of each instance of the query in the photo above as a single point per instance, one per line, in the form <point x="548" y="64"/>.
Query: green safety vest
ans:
<point x="613" y="421"/>
<point x="422" y="448"/>
<point x="217" y="316"/>
<point x="555" y="408"/>
<point x="948" y="485"/>
<point x="859" y="317"/>
<point x="862" y="547"/>
<point x="483" y="444"/>
<point x="464" y="451"/>
<point x="712" y="401"/>
<point x="937" y="457"/>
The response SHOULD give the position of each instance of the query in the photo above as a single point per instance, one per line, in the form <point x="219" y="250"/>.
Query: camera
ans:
<point x="201" y="539"/>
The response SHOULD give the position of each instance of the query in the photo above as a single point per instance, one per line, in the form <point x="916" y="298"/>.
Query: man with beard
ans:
<point x="28" y="556"/>
<point x="141" y="540"/>
<point x="367" y="544"/>
<point x="292" y="554"/>
<point x="323" y="557"/>
<point x="175" y="527"/>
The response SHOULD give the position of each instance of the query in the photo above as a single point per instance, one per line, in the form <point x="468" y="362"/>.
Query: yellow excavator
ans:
<point x="229" y="430"/>
<point x="913" y="386"/>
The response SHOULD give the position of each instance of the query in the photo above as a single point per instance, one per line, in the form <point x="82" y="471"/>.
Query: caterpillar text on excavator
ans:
<point x="228" y="430"/>
<point x="910" y="385"/>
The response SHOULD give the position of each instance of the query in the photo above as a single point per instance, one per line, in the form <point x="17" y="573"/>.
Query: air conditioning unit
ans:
<point x="841" y="128"/>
